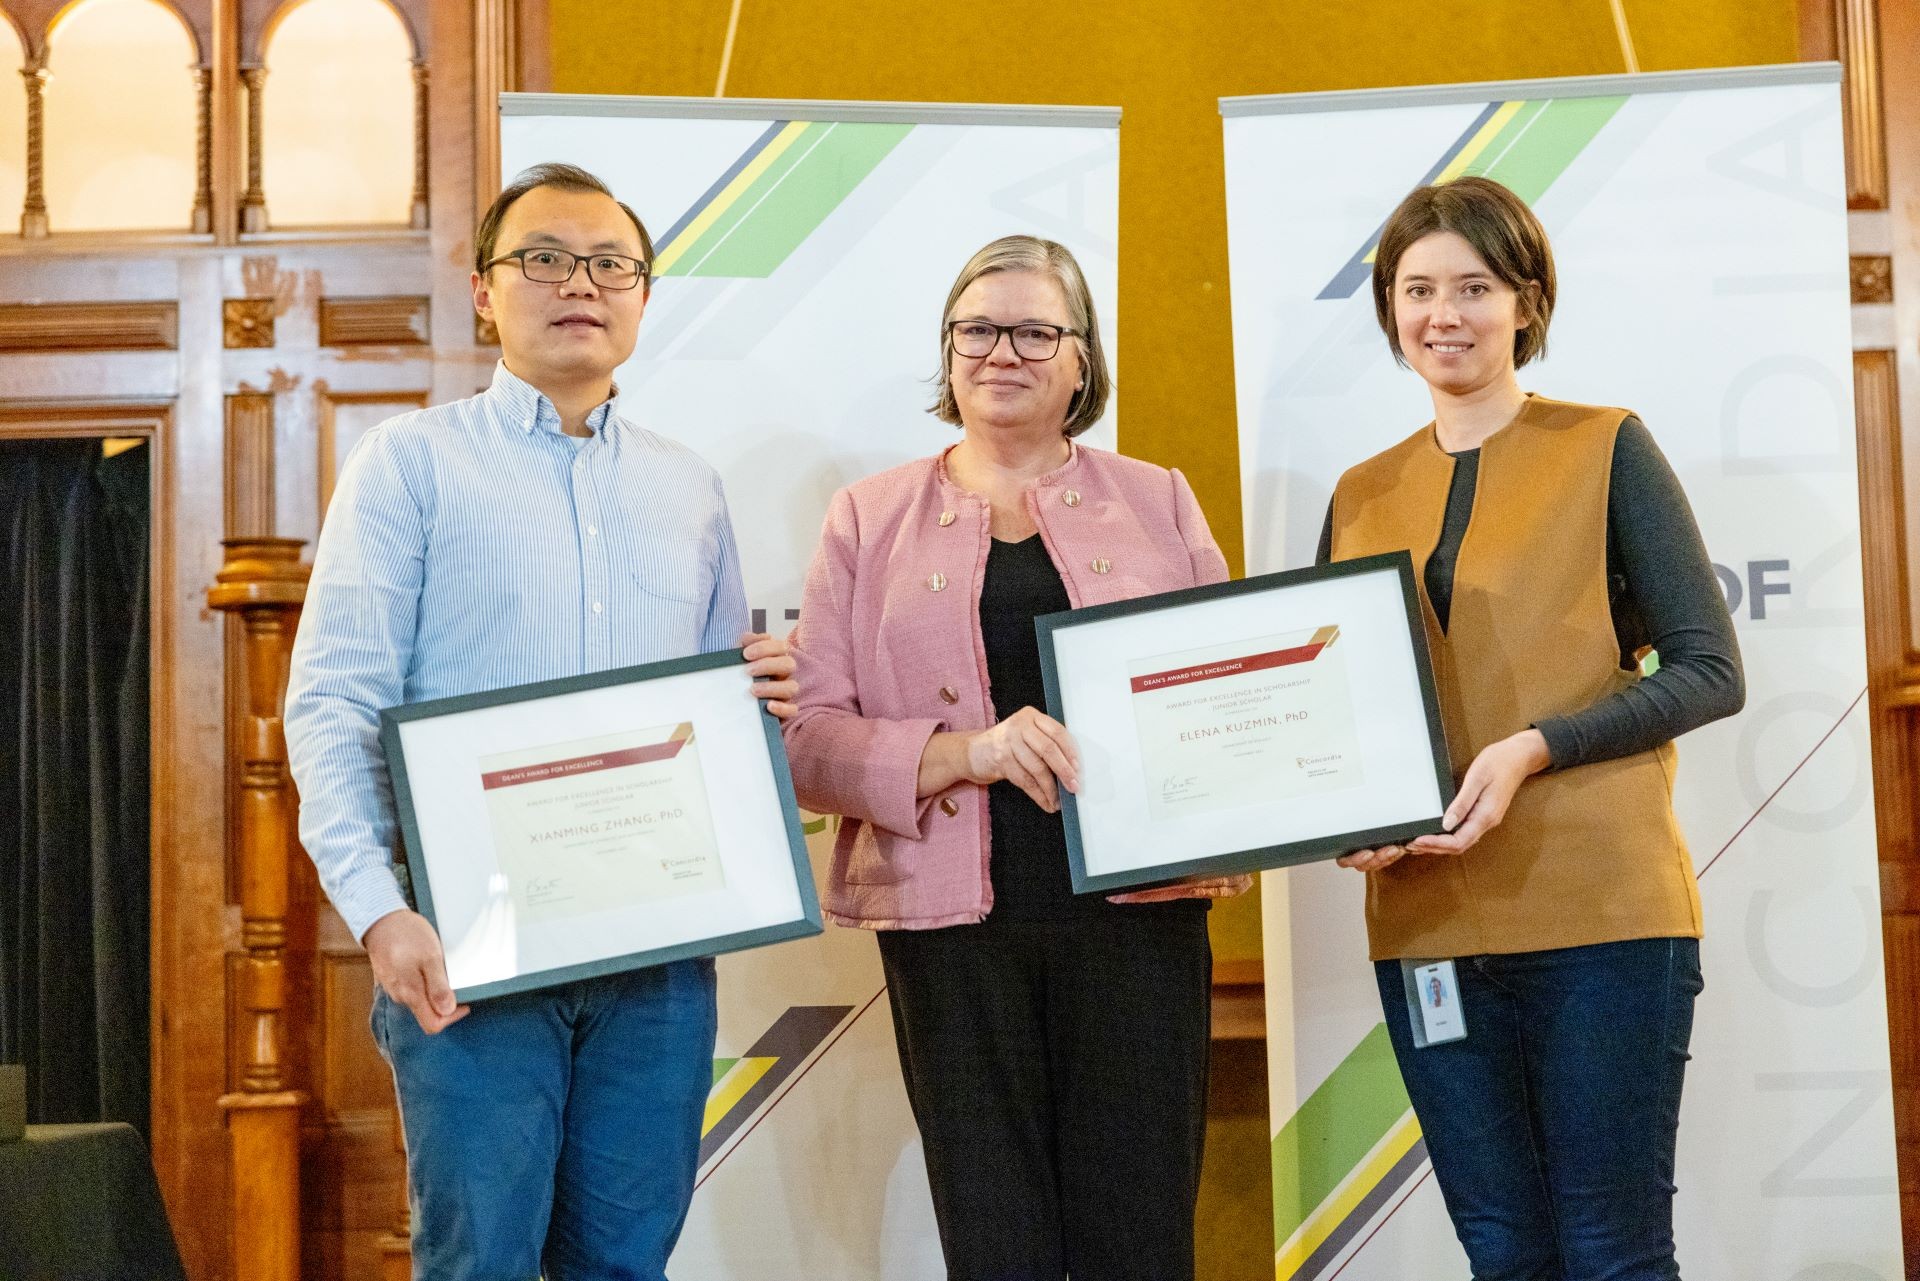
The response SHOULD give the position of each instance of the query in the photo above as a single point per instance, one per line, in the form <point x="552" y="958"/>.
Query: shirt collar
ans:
<point x="518" y="403"/>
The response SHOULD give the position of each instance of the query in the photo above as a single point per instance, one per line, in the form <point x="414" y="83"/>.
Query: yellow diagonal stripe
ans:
<point x="1478" y="143"/>
<point x="730" y="193"/>
<point x="1335" y="1209"/>
<point x="732" y="1088"/>
<point x="1471" y="152"/>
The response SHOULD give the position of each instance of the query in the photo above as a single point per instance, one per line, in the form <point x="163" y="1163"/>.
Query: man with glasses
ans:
<point x="528" y="533"/>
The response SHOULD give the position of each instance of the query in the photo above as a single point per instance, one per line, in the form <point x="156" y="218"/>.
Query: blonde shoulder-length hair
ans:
<point x="1031" y="253"/>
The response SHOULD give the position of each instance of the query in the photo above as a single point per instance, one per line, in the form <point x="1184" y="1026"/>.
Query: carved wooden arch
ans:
<point x="36" y="20"/>
<point x="20" y="33"/>
<point x="259" y="18"/>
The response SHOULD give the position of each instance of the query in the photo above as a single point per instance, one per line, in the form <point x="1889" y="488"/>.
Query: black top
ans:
<point x="1663" y="593"/>
<point x="1028" y="866"/>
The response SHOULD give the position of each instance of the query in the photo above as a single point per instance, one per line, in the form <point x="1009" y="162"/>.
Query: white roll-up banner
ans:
<point x="804" y="253"/>
<point x="1699" y="227"/>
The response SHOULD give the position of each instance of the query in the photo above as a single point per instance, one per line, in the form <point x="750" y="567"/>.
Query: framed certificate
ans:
<point x="1247" y="725"/>
<point x="579" y="827"/>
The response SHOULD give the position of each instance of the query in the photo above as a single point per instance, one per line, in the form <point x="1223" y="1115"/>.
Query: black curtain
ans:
<point x="74" y="778"/>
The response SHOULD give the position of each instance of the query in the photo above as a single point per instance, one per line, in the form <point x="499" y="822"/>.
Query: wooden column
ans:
<point x="419" y="218"/>
<point x="33" y="216"/>
<point x="253" y="203"/>
<point x="203" y="150"/>
<point x="264" y="582"/>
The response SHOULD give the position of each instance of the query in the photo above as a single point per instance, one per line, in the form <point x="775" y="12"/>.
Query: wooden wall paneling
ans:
<point x="352" y="1168"/>
<point x="1857" y="40"/>
<point x="347" y="416"/>
<point x="391" y="321"/>
<point x="462" y="188"/>
<point x="1881" y="122"/>
<point x="89" y="326"/>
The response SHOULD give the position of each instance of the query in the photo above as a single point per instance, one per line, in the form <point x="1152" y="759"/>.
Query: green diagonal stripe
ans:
<point x="1541" y="141"/>
<point x="720" y="1068"/>
<point x="788" y="202"/>
<point x="1333" y="1131"/>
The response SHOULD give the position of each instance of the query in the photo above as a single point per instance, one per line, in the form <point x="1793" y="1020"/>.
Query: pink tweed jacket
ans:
<point x="889" y="652"/>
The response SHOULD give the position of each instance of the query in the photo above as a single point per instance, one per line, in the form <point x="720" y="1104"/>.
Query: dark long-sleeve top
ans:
<point x="1661" y="586"/>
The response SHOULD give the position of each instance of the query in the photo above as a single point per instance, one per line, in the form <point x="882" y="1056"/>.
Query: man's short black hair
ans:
<point x="564" y="177"/>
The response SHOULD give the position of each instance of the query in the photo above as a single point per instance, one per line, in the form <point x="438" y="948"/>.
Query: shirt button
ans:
<point x="937" y="583"/>
<point x="1071" y="498"/>
<point x="596" y="607"/>
<point x="591" y="531"/>
<point x="946" y="518"/>
<point x="947" y="694"/>
<point x="949" y="806"/>
<point x="1101" y="565"/>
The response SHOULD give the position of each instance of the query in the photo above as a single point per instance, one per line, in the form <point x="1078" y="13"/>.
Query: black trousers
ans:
<point x="1058" y="1073"/>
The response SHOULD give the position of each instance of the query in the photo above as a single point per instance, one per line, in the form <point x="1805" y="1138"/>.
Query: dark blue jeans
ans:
<point x="555" y="1131"/>
<point x="1552" y="1126"/>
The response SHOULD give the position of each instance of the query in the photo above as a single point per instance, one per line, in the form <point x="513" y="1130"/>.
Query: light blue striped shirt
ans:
<point x="473" y="546"/>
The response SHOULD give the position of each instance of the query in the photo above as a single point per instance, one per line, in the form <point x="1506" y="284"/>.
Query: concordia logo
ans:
<point x="1525" y="145"/>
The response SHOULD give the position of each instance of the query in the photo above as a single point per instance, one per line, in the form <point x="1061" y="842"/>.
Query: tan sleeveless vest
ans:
<point x="1592" y="855"/>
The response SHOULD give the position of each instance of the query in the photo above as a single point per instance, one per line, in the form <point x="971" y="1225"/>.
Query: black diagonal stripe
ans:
<point x="1396" y="1178"/>
<point x="746" y="158"/>
<point x="1355" y="273"/>
<point x="793" y="1036"/>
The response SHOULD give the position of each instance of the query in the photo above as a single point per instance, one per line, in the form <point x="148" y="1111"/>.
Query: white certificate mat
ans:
<point x="579" y="827"/>
<point x="1305" y="727"/>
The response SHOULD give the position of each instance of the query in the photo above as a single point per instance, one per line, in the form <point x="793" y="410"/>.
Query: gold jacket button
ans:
<point x="1101" y="565"/>
<point x="1071" y="498"/>
<point x="949" y="806"/>
<point x="947" y="694"/>
<point x="946" y="518"/>
<point x="937" y="583"/>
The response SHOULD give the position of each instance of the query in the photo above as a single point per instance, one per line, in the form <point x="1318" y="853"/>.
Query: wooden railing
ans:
<point x="264" y="583"/>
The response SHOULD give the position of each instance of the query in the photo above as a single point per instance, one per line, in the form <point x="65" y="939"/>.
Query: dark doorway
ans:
<point x="74" y="844"/>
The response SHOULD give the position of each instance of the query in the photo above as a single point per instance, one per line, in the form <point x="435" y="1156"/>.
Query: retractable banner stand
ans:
<point x="1699" y="226"/>
<point x="804" y="253"/>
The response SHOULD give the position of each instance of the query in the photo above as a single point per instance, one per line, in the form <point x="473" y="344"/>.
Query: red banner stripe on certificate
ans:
<point x="583" y="764"/>
<point x="1229" y="667"/>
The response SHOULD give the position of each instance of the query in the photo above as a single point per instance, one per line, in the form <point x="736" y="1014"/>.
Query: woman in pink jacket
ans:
<point x="1054" y="1046"/>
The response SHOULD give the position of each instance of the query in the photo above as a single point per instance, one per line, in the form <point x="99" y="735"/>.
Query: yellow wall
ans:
<point x="1163" y="64"/>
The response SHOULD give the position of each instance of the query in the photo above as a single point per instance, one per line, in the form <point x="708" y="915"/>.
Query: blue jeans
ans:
<point x="1552" y="1125"/>
<point x="555" y="1131"/>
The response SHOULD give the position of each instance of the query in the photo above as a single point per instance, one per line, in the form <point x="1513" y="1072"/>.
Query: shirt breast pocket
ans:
<point x="678" y="570"/>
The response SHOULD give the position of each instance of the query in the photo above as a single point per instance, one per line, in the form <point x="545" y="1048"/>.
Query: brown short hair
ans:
<point x="564" y="177"/>
<point x="1501" y="229"/>
<point x="1030" y="253"/>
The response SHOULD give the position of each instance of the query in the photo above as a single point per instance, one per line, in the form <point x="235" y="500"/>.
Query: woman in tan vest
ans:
<point x="1553" y="546"/>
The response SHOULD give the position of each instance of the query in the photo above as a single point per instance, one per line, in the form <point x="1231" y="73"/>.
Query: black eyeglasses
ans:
<point x="1031" y="341"/>
<point x="556" y="267"/>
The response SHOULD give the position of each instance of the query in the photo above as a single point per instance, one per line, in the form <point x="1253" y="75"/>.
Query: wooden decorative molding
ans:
<point x="1857" y="38"/>
<point x="378" y="322"/>
<point x="247" y="322"/>
<point x="249" y="465"/>
<point x="359" y="410"/>
<point x="89" y="326"/>
<point x="1872" y="278"/>
<point x="1890" y="626"/>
